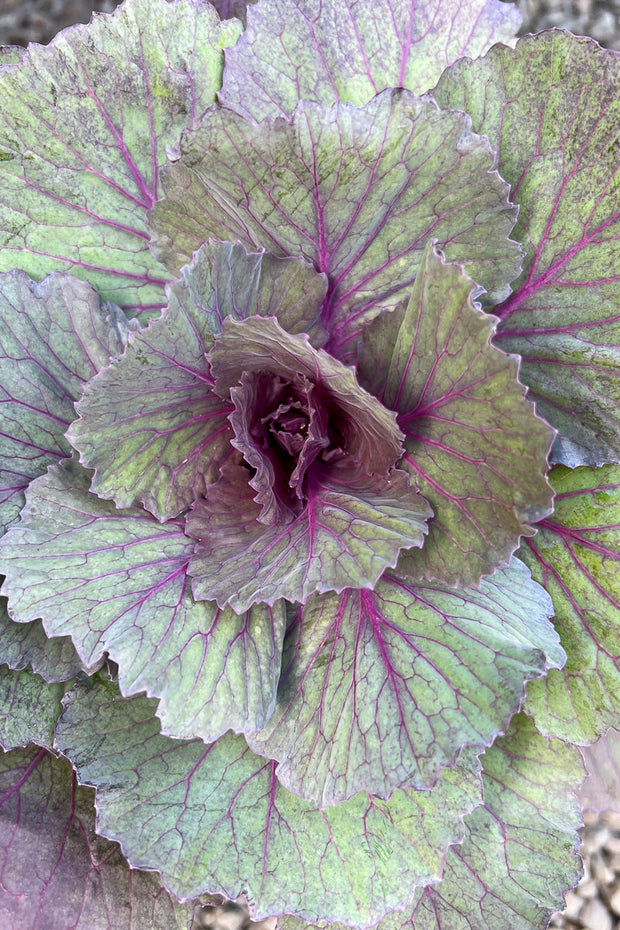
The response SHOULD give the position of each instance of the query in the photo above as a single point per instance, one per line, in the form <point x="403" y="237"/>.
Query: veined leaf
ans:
<point x="85" y="123"/>
<point x="576" y="555"/>
<point x="551" y="109"/>
<point x="183" y="807"/>
<point x="57" y="872"/>
<point x="54" y="336"/>
<point x="356" y="191"/>
<point x="473" y="442"/>
<point x="115" y="581"/>
<point x="383" y="688"/>
<point x="296" y="50"/>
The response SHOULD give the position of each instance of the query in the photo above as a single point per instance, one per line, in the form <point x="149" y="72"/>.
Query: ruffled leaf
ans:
<point x="57" y="872"/>
<point x="350" y="529"/>
<point x="355" y="191"/>
<point x="576" y="555"/>
<point x="551" y="109"/>
<point x="215" y="817"/>
<point x="223" y="280"/>
<point x="115" y="581"/>
<point x="519" y="853"/>
<point x="367" y="430"/>
<point x="54" y="336"/>
<point x="473" y="442"/>
<point x="29" y="710"/>
<point x="23" y="644"/>
<point x="296" y="50"/>
<point x="150" y="424"/>
<point x="85" y="124"/>
<point x="383" y="688"/>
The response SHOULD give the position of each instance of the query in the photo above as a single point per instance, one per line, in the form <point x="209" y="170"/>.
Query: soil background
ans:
<point x="595" y="903"/>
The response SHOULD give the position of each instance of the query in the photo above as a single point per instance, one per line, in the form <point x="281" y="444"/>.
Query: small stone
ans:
<point x="587" y="889"/>
<point x="612" y="845"/>
<point x="595" y="916"/>
<point x="573" y="905"/>
<point x="614" y="902"/>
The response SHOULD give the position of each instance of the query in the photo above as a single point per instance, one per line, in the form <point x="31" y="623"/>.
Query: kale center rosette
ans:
<point x="287" y="462"/>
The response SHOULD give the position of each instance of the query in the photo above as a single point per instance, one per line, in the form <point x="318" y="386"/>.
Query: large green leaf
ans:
<point x="355" y="191"/>
<point x="576" y="555"/>
<point x="54" y="336"/>
<point x="472" y="441"/>
<point x="115" y="581"/>
<point x="296" y="50"/>
<point x="56" y="871"/>
<point x="84" y="124"/>
<point x="519" y="854"/>
<point x="150" y="424"/>
<point x="551" y="109"/>
<point x="215" y="817"/>
<point x="382" y="688"/>
<point x="23" y="644"/>
<point x="29" y="709"/>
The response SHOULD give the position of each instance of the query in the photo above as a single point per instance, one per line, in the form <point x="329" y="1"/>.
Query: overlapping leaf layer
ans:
<point x="300" y="487"/>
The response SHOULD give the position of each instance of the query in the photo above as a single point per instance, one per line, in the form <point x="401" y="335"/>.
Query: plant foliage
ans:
<point x="309" y="463"/>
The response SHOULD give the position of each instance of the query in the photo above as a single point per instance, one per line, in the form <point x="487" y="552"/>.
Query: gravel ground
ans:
<point x="595" y="903"/>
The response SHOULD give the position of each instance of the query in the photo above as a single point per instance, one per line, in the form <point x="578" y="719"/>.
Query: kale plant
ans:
<point x="310" y="463"/>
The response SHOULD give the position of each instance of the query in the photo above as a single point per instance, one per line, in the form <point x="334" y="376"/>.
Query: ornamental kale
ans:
<point x="310" y="463"/>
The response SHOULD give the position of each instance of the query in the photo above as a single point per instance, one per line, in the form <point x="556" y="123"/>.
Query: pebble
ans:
<point x="595" y="916"/>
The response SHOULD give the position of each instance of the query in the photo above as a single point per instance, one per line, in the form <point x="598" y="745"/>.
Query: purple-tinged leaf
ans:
<point x="150" y="424"/>
<point x="473" y="443"/>
<point x="223" y="280"/>
<point x="600" y="791"/>
<point x="351" y="528"/>
<point x="29" y="709"/>
<point x="296" y="50"/>
<point x="551" y="109"/>
<point x="56" y="871"/>
<point x="84" y="126"/>
<point x="11" y="54"/>
<point x="215" y="818"/>
<point x="54" y="336"/>
<point x="382" y="688"/>
<point x="115" y="581"/>
<point x="519" y="853"/>
<point x="23" y="644"/>
<point x="366" y="430"/>
<point x="355" y="191"/>
<point x="576" y="556"/>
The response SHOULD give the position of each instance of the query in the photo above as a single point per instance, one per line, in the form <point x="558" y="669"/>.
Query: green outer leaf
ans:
<point x="519" y="853"/>
<point x="150" y="424"/>
<point x="382" y="688"/>
<point x="351" y="528"/>
<point x="23" y="644"/>
<point x="296" y="50"/>
<point x="56" y="872"/>
<point x="576" y="556"/>
<point x="551" y="109"/>
<point x="29" y="709"/>
<point x="115" y="581"/>
<point x="355" y="191"/>
<point x="215" y="817"/>
<point x="473" y="443"/>
<point x="54" y="336"/>
<point x="85" y="123"/>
